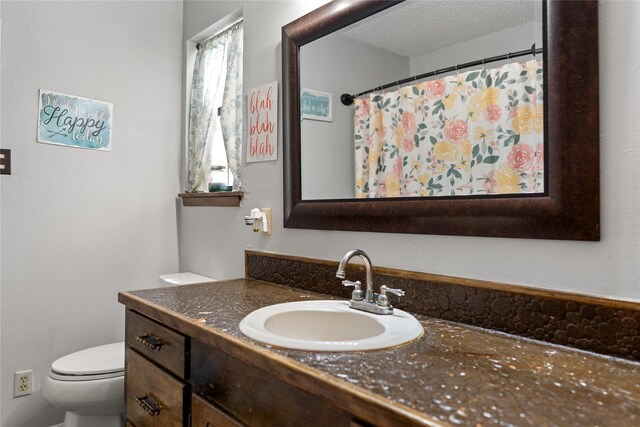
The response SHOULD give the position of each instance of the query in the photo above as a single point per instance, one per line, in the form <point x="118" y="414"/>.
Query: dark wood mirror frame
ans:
<point x="570" y="207"/>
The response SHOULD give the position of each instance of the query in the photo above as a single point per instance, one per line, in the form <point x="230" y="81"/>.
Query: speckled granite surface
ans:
<point x="456" y="373"/>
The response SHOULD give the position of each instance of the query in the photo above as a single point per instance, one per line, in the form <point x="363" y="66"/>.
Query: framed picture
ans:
<point x="316" y="105"/>
<point x="263" y="123"/>
<point x="74" y="121"/>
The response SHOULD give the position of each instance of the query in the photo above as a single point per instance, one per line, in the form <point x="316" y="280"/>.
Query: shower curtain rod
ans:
<point x="347" y="99"/>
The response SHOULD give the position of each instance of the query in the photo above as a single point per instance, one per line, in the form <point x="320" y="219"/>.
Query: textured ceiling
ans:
<point x="416" y="27"/>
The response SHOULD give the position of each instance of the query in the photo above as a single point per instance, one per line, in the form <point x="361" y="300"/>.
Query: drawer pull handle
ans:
<point x="150" y="341"/>
<point x="149" y="405"/>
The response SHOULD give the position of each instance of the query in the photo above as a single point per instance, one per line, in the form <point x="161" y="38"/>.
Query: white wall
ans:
<point x="80" y="225"/>
<point x="512" y="39"/>
<point x="212" y="240"/>
<point x="327" y="154"/>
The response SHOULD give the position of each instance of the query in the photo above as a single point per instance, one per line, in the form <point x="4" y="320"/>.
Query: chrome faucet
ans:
<point x="369" y="301"/>
<point x="368" y="297"/>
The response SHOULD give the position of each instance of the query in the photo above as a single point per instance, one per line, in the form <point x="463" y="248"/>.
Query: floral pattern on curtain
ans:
<point x="209" y="62"/>
<point x="231" y="116"/>
<point x="208" y="75"/>
<point x="478" y="132"/>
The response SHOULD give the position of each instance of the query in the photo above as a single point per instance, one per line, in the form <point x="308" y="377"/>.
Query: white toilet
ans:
<point x="89" y="386"/>
<point x="179" y="279"/>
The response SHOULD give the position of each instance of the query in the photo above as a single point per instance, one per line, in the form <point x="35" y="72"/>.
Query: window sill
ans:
<point x="222" y="198"/>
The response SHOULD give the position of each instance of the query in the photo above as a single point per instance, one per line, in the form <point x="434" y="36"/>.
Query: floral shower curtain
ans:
<point x="478" y="132"/>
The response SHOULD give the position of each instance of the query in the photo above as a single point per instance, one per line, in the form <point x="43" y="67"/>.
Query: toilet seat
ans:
<point x="96" y="363"/>
<point x="66" y="377"/>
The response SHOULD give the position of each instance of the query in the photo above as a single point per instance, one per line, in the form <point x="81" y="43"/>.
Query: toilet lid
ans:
<point x="104" y="359"/>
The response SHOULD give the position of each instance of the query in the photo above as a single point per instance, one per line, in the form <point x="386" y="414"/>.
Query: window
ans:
<point x="215" y="113"/>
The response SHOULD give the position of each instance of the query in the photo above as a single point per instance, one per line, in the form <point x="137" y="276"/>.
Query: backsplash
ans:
<point x="600" y="325"/>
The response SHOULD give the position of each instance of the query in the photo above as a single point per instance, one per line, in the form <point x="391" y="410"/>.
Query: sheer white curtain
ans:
<point x="218" y="64"/>
<point x="231" y="111"/>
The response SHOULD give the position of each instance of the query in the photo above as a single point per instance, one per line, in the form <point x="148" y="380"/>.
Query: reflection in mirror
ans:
<point x="471" y="131"/>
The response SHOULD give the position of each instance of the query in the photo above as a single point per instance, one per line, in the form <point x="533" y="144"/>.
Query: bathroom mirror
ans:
<point x="566" y="206"/>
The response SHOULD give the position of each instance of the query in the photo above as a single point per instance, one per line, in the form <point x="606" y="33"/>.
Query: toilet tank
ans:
<point x="178" y="279"/>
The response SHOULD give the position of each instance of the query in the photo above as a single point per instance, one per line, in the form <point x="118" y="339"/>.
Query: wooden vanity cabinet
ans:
<point x="156" y="374"/>
<point x="178" y="381"/>
<point x="204" y="414"/>
<point x="163" y="346"/>
<point x="254" y="396"/>
<point x="157" y="388"/>
<point x="154" y="398"/>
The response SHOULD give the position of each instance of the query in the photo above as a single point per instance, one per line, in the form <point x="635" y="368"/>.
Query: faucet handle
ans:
<point x="383" y="300"/>
<point x="357" y="284"/>
<point x="357" y="294"/>
<point x="384" y="289"/>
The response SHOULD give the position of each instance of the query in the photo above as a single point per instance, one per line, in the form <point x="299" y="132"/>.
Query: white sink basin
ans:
<point x="329" y="326"/>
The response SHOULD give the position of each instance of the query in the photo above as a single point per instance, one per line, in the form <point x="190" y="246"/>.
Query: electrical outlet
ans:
<point x="22" y="383"/>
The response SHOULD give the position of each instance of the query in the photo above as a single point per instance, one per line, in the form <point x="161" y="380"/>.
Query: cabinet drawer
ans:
<point x="153" y="397"/>
<point x="204" y="414"/>
<point x="160" y="344"/>
<point x="256" y="397"/>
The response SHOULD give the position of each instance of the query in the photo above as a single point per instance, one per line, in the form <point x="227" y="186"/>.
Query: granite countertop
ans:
<point x="458" y="374"/>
